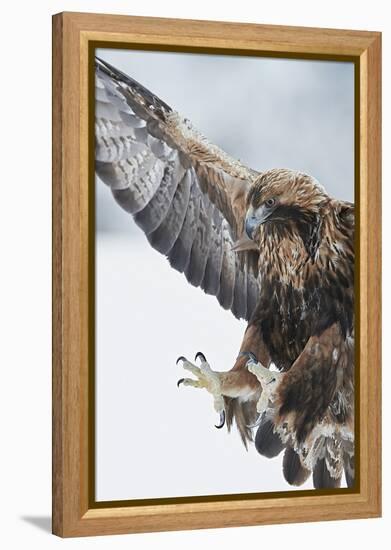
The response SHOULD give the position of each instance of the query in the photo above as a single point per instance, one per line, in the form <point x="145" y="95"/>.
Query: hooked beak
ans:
<point x="250" y="225"/>
<point x="254" y="218"/>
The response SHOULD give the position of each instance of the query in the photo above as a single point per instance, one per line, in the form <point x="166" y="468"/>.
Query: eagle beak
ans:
<point x="250" y="226"/>
<point x="254" y="218"/>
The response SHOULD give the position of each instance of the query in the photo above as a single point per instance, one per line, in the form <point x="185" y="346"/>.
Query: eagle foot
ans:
<point x="206" y="378"/>
<point x="269" y="381"/>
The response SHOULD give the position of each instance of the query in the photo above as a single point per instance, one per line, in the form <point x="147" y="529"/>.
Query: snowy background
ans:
<point x="154" y="440"/>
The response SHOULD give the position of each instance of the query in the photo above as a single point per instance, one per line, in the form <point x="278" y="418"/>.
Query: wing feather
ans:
<point x="186" y="194"/>
<point x="164" y="237"/>
<point x="211" y="281"/>
<point x="228" y="270"/>
<point x="158" y="207"/>
<point x="200" y="249"/>
<point x="179" y="255"/>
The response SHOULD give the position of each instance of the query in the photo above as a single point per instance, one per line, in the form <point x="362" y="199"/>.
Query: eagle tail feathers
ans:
<point x="326" y="455"/>
<point x="349" y="469"/>
<point x="267" y="441"/>
<point x="322" y="476"/>
<point x="294" y="472"/>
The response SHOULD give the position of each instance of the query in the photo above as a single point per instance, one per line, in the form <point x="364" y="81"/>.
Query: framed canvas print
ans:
<point x="216" y="268"/>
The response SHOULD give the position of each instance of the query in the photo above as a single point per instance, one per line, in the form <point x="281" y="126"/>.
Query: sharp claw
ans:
<point x="201" y="355"/>
<point x="181" y="358"/>
<point x="179" y="382"/>
<point x="222" y="420"/>
<point x="248" y="354"/>
<point x="256" y="423"/>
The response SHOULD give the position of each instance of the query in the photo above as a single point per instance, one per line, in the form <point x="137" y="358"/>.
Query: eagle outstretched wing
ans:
<point x="186" y="194"/>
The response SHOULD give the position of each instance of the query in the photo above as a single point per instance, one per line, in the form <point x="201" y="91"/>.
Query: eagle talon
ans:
<point x="205" y="378"/>
<point x="181" y="358"/>
<point x="269" y="381"/>
<point x="257" y="422"/>
<point x="251" y="356"/>
<point x="222" y="420"/>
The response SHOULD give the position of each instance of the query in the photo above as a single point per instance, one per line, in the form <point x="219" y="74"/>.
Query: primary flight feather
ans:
<point x="273" y="248"/>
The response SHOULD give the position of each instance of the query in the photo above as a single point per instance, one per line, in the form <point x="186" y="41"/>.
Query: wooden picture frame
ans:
<point x="74" y="36"/>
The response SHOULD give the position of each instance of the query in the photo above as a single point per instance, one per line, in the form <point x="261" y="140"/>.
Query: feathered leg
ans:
<point x="309" y="407"/>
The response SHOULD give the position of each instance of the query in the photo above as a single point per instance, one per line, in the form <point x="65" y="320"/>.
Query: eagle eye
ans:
<point x="269" y="203"/>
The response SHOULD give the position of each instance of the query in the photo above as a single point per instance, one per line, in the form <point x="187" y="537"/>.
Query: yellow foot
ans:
<point x="269" y="381"/>
<point x="206" y="378"/>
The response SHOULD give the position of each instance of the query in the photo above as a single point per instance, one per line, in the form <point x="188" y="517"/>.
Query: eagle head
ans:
<point x="285" y="198"/>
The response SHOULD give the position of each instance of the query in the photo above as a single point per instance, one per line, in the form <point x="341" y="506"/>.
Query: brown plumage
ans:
<point x="273" y="248"/>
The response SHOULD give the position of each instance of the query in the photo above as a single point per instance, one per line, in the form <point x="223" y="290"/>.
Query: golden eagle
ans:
<point x="273" y="247"/>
